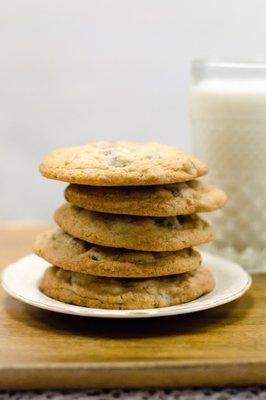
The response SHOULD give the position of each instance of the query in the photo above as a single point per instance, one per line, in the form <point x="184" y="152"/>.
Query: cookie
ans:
<point x="125" y="294"/>
<point x="121" y="163"/>
<point x="67" y="252"/>
<point x="132" y="232"/>
<point x="159" y="201"/>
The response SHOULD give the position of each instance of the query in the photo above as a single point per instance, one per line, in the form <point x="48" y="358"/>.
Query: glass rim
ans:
<point x="230" y="64"/>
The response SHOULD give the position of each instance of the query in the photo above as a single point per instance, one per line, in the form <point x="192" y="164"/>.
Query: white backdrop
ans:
<point x="73" y="71"/>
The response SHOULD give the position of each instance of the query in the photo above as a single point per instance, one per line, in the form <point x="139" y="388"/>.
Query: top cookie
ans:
<point x="121" y="163"/>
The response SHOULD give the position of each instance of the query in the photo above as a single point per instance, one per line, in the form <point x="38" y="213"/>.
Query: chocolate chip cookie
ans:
<point x="125" y="294"/>
<point x="67" y="252"/>
<point x="121" y="163"/>
<point x="132" y="232"/>
<point x="158" y="200"/>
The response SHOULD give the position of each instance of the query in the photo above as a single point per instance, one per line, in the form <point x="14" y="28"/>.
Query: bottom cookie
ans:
<point x="125" y="294"/>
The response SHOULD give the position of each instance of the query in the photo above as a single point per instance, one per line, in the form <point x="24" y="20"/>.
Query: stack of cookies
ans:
<point x="125" y="236"/>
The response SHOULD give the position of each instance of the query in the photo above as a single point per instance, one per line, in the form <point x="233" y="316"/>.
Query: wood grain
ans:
<point x="44" y="350"/>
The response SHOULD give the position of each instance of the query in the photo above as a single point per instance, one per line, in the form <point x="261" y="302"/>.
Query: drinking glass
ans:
<point x="228" y="123"/>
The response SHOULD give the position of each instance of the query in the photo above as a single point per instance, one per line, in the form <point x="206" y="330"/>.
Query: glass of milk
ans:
<point x="228" y="121"/>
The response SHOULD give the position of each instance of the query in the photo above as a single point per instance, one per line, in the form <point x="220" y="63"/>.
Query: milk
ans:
<point x="228" y="121"/>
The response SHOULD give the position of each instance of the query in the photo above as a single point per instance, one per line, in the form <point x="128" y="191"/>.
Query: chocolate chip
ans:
<point x="153" y="156"/>
<point x="118" y="161"/>
<point x="94" y="258"/>
<point x="106" y="152"/>
<point x="169" y="222"/>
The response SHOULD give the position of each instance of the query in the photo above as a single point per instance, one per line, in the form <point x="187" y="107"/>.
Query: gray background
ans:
<point x="74" y="71"/>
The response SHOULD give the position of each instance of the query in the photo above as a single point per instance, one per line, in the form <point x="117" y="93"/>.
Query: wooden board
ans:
<point x="41" y="349"/>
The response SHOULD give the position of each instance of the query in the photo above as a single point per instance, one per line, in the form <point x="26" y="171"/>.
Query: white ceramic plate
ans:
<point x="21" y="280"/>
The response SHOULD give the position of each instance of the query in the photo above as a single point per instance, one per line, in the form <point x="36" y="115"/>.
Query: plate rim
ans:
<point x="124" y="314"/>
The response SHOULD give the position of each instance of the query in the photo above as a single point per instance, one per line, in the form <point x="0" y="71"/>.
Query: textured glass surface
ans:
<point x="228" y="121"/>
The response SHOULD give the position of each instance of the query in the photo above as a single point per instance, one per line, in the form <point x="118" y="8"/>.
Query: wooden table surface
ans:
<point x="44" y="350"/>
